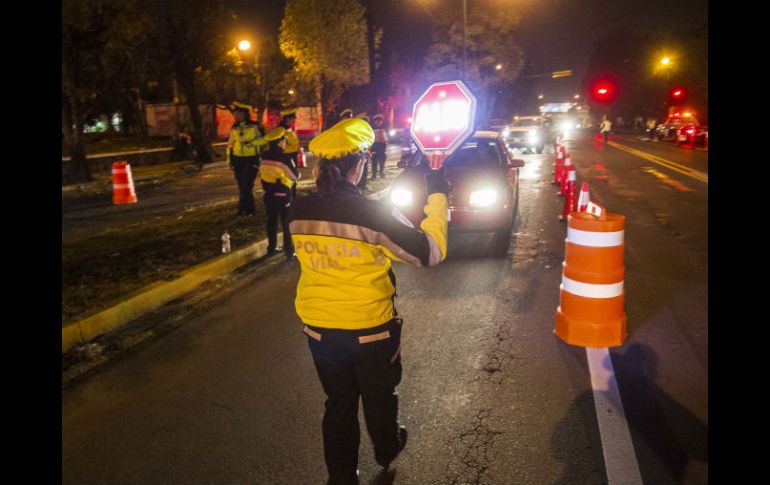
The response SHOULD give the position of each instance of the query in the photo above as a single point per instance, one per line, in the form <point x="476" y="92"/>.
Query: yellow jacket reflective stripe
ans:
<point x="245" y="140"/>
<point x="272" y="171"/>
<point x="345" y="245"/>
<point x="292" y="142"/>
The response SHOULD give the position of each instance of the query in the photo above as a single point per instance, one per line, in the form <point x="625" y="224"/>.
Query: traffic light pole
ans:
<point x="465" y="41"/>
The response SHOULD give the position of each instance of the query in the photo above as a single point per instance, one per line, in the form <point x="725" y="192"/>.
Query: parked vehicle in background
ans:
<point x="669" y="129"/>
<point x="691" y="135"/>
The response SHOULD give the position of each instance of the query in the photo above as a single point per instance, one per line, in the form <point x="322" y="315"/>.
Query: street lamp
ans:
<point x="499" y="66"/>
<point x="665" y="61"/>
<point x="244" y="45"/>
<point x="291" y="92"/>
<point x="577" y="96"/>
<point x="540" y="97"/>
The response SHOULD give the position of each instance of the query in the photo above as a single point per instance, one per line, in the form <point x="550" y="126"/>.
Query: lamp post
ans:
<point x="465" y="41"/>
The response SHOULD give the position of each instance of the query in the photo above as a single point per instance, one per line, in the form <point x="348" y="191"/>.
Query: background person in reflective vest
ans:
<point x="345" y="245"/>
<point x="379" y="146"/>
<point x="292" y="141"/>
<point x="243" y="155"/>
<point x="279" y="176"/>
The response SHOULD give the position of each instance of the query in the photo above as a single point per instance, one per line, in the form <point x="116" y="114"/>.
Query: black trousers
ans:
<point x="277" y="207"/>
<point x="246" y="169"/>
<point x="378" y="158"/>
<point x="349" y="369"/>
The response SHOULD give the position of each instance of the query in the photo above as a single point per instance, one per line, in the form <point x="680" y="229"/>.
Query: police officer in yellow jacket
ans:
<point x="345" y="245"/>
<point x="292" y="141"/>
<point x="243" y="155"/>
<point x="279" y="176"/>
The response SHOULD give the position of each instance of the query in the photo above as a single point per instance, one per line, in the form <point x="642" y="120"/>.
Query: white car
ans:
<point x="526" y="132"/>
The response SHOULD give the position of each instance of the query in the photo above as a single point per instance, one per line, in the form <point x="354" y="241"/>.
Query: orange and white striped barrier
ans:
<point x="591" y="306"/>
<point x="570" y="199"/>
<point x="122" y="184"/>
<point x="565" y="173"/>
<point x="584" y="198"/>
<point x="557" y="164"/>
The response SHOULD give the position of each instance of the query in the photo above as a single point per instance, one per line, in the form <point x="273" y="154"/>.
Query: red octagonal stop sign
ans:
<point x="443" y="117"/>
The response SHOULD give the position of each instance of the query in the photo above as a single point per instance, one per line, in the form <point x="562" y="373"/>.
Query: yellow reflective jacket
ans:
<point x="292" y="142"/>
<point x="277" y="171"/>
<point x="245" y="140"/>
<point x="345" y="245"/>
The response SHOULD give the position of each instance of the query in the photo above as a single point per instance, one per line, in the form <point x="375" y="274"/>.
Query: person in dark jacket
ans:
<point x="279" y="176"/>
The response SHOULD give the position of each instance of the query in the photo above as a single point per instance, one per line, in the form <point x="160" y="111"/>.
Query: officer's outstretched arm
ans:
<point x="428" y="245"/>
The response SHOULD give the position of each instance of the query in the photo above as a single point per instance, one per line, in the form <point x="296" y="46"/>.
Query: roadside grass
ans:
<point x="102" y="270"/>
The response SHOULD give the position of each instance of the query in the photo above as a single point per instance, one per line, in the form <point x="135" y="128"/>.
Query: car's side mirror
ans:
<point x="403" y="163"/>
<point x="515" y="163"/>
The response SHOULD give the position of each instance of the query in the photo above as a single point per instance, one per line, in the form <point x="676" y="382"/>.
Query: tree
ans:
<point x="99" y="42"/>
<point x="489" y="41"/>
<point x="327" y="42"/>
<point x="189" y="35"/>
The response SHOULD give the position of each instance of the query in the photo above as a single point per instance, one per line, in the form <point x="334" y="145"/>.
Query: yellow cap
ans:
<point x="275" y="134"/>
<point x="290" y="111"/>
<point x="238" y="104"/>
<point x="351" y="135"/>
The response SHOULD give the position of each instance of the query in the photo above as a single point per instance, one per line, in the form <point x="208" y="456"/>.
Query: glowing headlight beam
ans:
<point x="401" y="197"/>
<point x="483" y="198"/>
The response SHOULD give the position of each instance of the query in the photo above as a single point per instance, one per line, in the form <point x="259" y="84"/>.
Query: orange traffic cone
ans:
<point x="584" y="198"/>
<point x="122" y="184"/>
<point x="558" y="164"/>
<point x="565" y="173"/>
<point x="570" y="201"/>
<point x="590" y="312"/>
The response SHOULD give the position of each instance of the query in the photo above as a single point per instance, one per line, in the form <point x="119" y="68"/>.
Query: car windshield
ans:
<point x="475" y="153"/>
<point x="527" y="123"/>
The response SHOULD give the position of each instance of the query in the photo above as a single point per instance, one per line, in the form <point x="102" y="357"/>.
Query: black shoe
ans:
<point x="402" y="435"/>
<point x="271" y="252"/>
<point x="329" y="482"/>
<point x="291" y="256"/>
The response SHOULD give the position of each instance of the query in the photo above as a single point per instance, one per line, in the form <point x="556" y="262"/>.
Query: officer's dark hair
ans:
<point x="247" y="117"/>
<point x="274" y="143"/>
<point x="332" y="171"/>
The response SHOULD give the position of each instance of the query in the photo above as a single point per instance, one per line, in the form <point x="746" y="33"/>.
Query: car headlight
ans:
<point x="483" y="198"/>
<point x="401" y="197"/>
<point x="533" y="134"/>
<point x="506" y="133"/>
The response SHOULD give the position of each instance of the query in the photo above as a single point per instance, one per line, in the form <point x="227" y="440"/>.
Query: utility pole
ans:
<point x="465" y="38"/>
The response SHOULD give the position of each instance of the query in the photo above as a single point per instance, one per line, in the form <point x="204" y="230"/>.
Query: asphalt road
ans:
<point x="490" y="395"/>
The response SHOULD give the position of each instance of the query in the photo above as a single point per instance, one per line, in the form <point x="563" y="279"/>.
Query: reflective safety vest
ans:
<point x="380" y="135"/>
<point x="277" y="171"/>
<point x="345" y="245"/>
<point x="245" y="140"/>
<point x="292" y="142"/>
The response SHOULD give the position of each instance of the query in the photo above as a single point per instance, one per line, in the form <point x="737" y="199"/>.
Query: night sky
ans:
<point x="555" y="34"/>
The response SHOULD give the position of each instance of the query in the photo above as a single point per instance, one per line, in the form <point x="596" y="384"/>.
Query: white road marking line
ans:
<point x="619" y="456"/>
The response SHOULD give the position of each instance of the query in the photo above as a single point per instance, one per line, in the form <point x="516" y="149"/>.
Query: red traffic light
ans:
<point x="603" y="91"/>
<point x="678" y="94"/>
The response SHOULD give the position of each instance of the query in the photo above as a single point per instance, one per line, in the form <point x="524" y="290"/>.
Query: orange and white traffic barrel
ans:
<point x="122" y="184"/>
<point x="591" y="306"/>
<point x="557" y="165"/>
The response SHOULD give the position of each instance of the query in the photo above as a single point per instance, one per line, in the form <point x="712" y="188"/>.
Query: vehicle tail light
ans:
<point x="690" y="132"/>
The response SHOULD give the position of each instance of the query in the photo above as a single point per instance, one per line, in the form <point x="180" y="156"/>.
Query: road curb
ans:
<point x="158" y="294"/>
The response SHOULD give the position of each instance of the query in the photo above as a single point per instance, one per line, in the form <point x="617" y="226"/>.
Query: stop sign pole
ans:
<point x="442" y="119"/>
